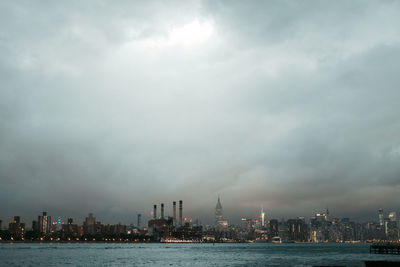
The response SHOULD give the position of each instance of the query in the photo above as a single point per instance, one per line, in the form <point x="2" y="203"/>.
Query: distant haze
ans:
<point x="112" y="106"/>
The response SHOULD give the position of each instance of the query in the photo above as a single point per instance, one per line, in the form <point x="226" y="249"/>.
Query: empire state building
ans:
<point x="219" y="218"/>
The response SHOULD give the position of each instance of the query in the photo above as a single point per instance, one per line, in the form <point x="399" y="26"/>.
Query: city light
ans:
<point x="322" y="227"/>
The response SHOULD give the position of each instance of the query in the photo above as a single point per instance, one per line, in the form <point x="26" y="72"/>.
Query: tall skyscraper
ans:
<point x="327" y="217"/>
<point x="218" y="211"/>
<point x="262" y="217"/>
<point x="219" y="218"/>
<point x="89" y="225"/>
<point x="380" y="215"/>
<point x="44" y="223"/>
<point x="393" y="216"/>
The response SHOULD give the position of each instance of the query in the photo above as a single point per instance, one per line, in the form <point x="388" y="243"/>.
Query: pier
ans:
<point x="385" y="248"/>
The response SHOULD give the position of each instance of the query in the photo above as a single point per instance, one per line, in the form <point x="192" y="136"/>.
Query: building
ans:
<point x="393" y="216"/>
<point x="218" y="211"/>
<point x="70" y="229"/>
<point x="57" y="225"/>
<point x="297" y="230"/>
<point x="219" y="218"/>
<point x="380" y="216"/>
<point x="262" y="217"/>
<point x="16" y="228"/>
<point x="319" y="227"/>
<point x="391" y="230"/>
<point x="89" y="225"/>
<point x="162" y="227"/>
<point x="273" y="228"/>
<point x="188" y="232"/>
<point x="44" y="223"/>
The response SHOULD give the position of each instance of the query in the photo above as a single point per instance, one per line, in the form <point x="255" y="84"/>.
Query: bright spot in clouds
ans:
<point x="188" y="35"/>
<point x="192" y="33"/>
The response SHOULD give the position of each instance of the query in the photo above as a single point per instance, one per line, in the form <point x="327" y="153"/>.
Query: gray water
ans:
<point x="155" y="254"/>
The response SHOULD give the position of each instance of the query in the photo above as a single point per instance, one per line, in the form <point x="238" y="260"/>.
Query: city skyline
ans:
<point x="108" y="106"/>
<point x="163" y="210"/>
<point x="160" y="227"/>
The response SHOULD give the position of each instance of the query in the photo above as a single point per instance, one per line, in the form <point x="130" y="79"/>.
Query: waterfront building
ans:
<point x="297" y="230"/>
<point x="44" y="223"/>
<point x="163" y="227"/>
<point x="16" y="228"/>
<point x="188" y="232"/>
<point x="57" y="225"/>
<point x="283" y="231"/>
<point x="70" y="229"/>
<point x="273" y="228"/>
<point x="319" y="225"/>
<point x="89" y="225"/>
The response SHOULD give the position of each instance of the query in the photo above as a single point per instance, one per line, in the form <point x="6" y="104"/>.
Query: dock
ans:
<point x="385" y="248"/>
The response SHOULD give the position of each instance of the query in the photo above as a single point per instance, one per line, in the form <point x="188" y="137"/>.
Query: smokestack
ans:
<point x="174" y="212"/>
<point x="139" y="220"/>
<point x="155" y="212"/>
<point x="180" y="212"/>
<point x="162" y="210"/>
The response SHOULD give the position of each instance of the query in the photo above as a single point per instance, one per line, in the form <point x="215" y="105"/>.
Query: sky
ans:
<point x="112" y="106"/>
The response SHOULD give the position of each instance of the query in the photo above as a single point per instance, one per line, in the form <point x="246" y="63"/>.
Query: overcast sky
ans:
<point x="112" y="106"/>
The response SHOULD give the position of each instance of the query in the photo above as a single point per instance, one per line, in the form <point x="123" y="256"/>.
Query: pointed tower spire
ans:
<point x="218" y="211"/>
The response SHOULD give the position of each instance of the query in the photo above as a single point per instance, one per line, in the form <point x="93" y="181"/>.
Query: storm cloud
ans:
<point x="112" y="106"/>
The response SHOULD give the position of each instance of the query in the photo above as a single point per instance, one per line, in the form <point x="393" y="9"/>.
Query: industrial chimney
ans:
<point x="180" y="212"/>
<point x="174" y="213"/>
<point x="155" y="212"/>
<point x="139" y="220"/>
<point x="162" y="210"/>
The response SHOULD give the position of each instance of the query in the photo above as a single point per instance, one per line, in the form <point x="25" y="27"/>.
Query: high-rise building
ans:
<point x="297" y="230"/>
<point x="89" y="225"/>
<point x="44" y="223"/>
<point x="58" y="224"/>
<point x="327" y="217"/>
<point x="262" y="217"/>
<point x="16" y="228"/>
<point x="393" y="216"/>
<point x="273" y="228"/>
<point x="380" y="216"/>
<point x="70" y="229"/>
<point x="219" y="218"/>
<point x="218" y="211"/>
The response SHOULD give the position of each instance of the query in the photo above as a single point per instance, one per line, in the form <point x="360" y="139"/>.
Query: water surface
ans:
<point x="155" y="254"/>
